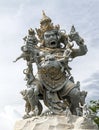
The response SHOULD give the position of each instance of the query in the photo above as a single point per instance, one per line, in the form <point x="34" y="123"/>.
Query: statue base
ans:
<point x="55" y="122"/>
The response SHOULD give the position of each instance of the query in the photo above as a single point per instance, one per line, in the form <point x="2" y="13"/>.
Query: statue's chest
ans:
<point x="51" y="75"/>
<point x="50" y="69"/>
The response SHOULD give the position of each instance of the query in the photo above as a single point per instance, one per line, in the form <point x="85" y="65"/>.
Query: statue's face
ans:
<point x="51" y="39"/>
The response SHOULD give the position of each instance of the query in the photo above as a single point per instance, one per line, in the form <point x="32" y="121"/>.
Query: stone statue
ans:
<point x="51" y="49"/>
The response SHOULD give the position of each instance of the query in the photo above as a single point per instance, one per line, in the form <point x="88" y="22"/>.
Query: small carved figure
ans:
<point x="30" y="95"/>
<point x="27" y="104"/>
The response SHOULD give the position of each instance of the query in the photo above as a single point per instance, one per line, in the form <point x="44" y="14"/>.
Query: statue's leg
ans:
<point x="74" y="97"/>
<point x="32" y="98"/>
<point x="32" y="94"/>
<point x="71" y="92"/>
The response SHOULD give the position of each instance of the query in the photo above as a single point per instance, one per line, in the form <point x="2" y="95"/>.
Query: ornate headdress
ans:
<point x="45" y="25"/>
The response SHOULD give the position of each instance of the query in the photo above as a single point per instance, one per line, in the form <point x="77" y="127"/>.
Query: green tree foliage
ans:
<point x="94" y="107"/>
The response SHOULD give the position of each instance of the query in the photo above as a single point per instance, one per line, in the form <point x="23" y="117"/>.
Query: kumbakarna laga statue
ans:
<point x="51" y="49"/>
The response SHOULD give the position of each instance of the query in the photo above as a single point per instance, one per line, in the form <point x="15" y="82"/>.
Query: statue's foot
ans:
<point x="47" y="113"/>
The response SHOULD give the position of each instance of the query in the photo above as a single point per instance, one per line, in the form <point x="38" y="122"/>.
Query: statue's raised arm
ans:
<point x="74" y="36"/>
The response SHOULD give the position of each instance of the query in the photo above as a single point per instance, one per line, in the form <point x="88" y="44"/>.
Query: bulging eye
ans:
<point x="47" y="36"/>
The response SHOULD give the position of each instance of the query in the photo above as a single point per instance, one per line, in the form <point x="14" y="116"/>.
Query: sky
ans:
<point x="16" y="17"/>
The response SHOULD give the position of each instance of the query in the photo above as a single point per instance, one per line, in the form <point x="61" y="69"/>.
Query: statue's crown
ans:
<point x="45" y="25"/>
<point x="45" y="18"/>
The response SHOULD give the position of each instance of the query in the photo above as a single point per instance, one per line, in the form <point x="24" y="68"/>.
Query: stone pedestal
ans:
<point x="55" y="122"/>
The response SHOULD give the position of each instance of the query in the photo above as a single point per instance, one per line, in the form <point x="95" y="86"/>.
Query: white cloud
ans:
<point x="9" y="116"/>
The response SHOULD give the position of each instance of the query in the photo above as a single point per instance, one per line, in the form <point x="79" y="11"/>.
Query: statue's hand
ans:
<point x="74" y="36"/>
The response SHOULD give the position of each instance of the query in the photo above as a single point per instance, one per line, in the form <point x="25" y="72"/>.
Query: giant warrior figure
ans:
<point x="51" y="49"/>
